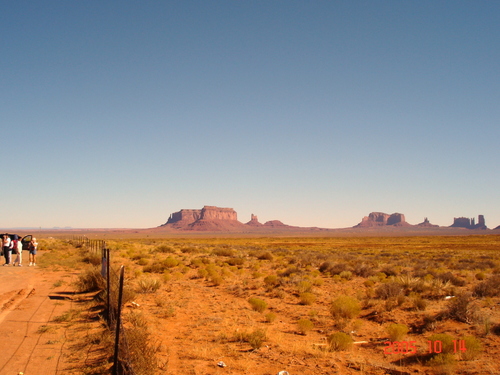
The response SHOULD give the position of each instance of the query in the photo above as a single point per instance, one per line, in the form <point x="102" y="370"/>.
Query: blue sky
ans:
<point x="115" y="114"/>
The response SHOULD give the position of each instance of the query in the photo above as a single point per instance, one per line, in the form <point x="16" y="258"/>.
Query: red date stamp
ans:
<point x="409" y="347"/>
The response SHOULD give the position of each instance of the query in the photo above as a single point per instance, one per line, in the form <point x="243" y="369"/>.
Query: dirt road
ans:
<point x="32" y="302"/>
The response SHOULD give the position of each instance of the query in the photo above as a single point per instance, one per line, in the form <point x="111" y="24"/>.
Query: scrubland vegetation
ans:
<point x="312" y="305"/>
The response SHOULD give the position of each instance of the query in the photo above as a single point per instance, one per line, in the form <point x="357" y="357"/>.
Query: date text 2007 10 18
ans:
<point x="408" y="347"/>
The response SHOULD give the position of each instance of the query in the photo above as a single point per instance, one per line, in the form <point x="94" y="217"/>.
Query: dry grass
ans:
<point x="391" y="279"/>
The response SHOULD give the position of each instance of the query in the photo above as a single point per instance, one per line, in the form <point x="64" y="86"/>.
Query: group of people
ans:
<point x="14" y="246"/>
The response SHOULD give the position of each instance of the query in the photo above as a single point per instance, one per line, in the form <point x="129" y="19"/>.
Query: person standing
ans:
<point x="33" y="247"/>
<point x="7" y="248"/>
<point x="19" y="259"/>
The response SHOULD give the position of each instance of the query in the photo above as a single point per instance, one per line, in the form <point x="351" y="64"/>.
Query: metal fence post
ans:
<point x="118" y="321"/>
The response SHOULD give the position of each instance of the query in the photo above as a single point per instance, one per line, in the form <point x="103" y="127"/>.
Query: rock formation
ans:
<point x="211" y="218"/>
<point x="208" y="218"/>
<point x="376" y="219"/>
<point x="276" y="224"/>
<point x="254" y="221"/>
<point x="426" y="224"/>
<point x="469" y="223"/>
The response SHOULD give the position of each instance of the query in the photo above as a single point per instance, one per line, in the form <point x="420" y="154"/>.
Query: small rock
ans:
<point x="283" y="373"/>
<point x="221" y="364"/>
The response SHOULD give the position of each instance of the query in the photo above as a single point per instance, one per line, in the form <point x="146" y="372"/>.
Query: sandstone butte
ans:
<point x="215" y="219"/>
<point x="219" y="219"/>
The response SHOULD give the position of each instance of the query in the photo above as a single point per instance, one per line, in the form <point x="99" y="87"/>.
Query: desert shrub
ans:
<point x="170" y="262"/>
<point x="304" y="326"/>
<point x="339" y="341"/>
<point x="489" y="287"/>
<point x="270" y="317"/>
<point x="461" y="309"/>
<point x="480" y="276"/>
<point x="325" y="266"/>
<point x="473" y="348"/>
<point x="451" y="278"/>
<point x="162" y="265"/>
<point x="265" y="256"/>
<point x="196" y="263"/>
<point x="255" y="339"/>
<point x="363" y="270"/>
<point x="397" y="332"/>
<point x="148" y="285"/>
<point x="304" y="286"/>
<point x="419" y="303"/>
<point x="290" y="271"/>
<point x="390" y="304"/>
<point x="90" y="280"/>
<point x="189" y="249"/>
<point x="390" y="270"/>
<point x="202" y="273"/>
<point x="223" y="252"/>
<point x="235" y="261"/>
<point x="307" y="298"/>
<point x="257" y="304"/>
<point x="388" y="290"/>
<point x="443" y="364"/>
<point x="344" y="308"/>
<point x="338" y="268"/>
<point x="93" y="258"/>
<point x="271" y="281"/>
<point x="163" y="249"/>
<point x="346" y="275"/>
<point x="215" y="278"/>
<point x="446" y="342"/>
<point x="143" y="358"/>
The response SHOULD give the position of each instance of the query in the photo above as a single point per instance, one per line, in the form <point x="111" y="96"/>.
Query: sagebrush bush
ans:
<point x="255" y="339"/>
<point x="270" y="317"/>
<point x="90" y="280"/>
<point x="489" y="287"/>
<point x="265" y="256"/>
<point x="446" y="342"/>
<point x="396" y="331"/>
<point x="443" y="364"/>
<point x="148" y="285"/>
<point x="223" y="252"/>
<point x="472" y="350"/>
<point x="461" y="309"/>
<point x="304" y="286"/>
<point x="388" y="290"/>
<point x="304" y="326"/>
<point x="344" y="308"/>
<point x="346" y="275"/>
<point x="257" y="304"/>
<point x="163" y="249"/>
<point x="307" y="298"/>
<point x="339" y="341"/>
<point x="271" y="281"/>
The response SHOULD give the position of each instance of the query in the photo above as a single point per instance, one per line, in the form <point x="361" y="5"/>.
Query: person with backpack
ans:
<point x="7" y="248"/>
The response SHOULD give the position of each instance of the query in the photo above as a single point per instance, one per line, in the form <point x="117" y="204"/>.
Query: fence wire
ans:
<point x="114" y="278"/>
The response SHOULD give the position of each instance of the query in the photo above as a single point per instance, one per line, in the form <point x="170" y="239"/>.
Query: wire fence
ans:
<point x="114" y="300"/>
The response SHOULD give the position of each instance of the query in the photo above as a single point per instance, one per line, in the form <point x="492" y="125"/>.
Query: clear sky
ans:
<point x="115" y="114"/>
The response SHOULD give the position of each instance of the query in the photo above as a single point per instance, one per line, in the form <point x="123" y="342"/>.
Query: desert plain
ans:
<point x="263" y="304"/>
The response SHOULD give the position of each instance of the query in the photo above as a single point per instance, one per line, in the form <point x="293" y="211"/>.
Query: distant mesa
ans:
<point x="426" y="224"/>
<point x="219" y="219"/>
<point x="211" y="218"/>
<point x="465" y="222"/>
<point x="254" y="221"/>
<point x="379" y="219"/>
